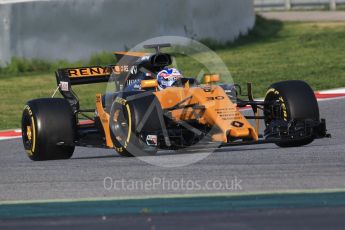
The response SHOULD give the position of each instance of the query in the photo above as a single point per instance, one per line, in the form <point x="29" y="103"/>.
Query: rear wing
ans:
<point x="118" y="73"/>
<point x="68" y="77"/>
<point x="97" y="74"/>
<point x="84" y="75"/>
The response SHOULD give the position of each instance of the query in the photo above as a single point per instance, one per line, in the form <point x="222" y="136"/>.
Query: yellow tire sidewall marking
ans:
<point x="129" y="125"/>
<point x="33" y="134"/>
<point x="281" y="99"/>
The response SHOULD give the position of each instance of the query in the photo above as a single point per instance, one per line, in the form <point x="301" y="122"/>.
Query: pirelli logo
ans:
<point x="97" y="71"/>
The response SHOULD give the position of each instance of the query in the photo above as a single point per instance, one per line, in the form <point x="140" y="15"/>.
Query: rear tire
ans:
<point x="298" y="103"/>
<point x="48" y="129"/>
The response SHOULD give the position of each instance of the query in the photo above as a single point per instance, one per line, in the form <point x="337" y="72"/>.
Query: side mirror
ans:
<point x="149" y="84"/>
<point x="211" y="78"/>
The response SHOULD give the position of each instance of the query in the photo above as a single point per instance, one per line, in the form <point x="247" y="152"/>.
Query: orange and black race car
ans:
<point x="140" y="119"/>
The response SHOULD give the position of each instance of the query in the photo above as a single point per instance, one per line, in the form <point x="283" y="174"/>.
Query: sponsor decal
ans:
<point x="217" y="98"/>
<point x="97" y="71"/>
<point x="64" y="86"/>
<point x="134" y="70"/>
<point x="237" y="124"/>
<point x="207" y="88"/>
<point x="152" y="140"/>
<point x="133" y="81"/>
<point x="120" y="69"/>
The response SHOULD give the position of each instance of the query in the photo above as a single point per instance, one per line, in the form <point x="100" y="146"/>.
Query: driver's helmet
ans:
<point x="167" y="77"/>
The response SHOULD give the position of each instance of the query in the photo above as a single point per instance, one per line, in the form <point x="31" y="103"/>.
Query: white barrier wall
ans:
<point x="295" y="4"/>
<point x="5" y="44"/>
<point x="73" y="29"/>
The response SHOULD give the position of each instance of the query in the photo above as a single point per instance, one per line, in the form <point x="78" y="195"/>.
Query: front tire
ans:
<point x="297" y="104"/>
<point x="48" y="129"/>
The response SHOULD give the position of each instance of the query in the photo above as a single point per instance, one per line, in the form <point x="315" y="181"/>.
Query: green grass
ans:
<point x="19" y="66"/>
<point x="273" y="51"/>
<point x="15" y="91"/>
<point x="313" y="52"/>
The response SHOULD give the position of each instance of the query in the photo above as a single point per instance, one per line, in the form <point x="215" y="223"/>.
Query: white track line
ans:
<point x="333" y="91"/>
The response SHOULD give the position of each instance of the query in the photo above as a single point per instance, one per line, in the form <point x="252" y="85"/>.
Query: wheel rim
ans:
<point x="269" y="116"/>
<point x="29" y="134"/>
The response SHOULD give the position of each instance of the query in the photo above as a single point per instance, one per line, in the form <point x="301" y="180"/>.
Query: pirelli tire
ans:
<point x="48" y="129"/>
<point x="298" y="102"/>
<point x="130" y="117"/>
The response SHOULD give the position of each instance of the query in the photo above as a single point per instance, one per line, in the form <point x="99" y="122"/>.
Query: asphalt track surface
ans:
<point x="256" y="168"/>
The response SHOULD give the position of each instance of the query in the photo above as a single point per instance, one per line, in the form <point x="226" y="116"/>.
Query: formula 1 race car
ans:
<point x="139" y="119"/>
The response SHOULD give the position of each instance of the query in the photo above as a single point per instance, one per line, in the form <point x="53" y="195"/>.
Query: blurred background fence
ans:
<point x="261" y="5"/>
